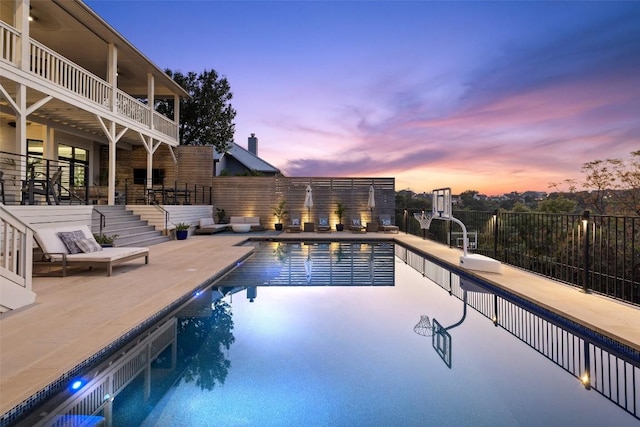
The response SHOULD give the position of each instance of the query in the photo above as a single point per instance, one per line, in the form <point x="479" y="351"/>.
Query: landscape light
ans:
<point x="585" y="219"/>
<point x="586" y="381"/>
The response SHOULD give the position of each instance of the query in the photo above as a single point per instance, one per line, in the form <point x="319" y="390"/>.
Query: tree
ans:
<point x="614" y="184"/>
<point x="207" y="117"/>
<point x="557" y="204"/>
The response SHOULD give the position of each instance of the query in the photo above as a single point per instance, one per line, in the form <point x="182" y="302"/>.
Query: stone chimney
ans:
<point x="253" y="144"/>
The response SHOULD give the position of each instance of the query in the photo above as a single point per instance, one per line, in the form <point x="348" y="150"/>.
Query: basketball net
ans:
<point x="424" y="219"/>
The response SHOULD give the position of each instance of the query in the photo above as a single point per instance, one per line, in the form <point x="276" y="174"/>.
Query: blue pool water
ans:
<point x="276" y="344"/>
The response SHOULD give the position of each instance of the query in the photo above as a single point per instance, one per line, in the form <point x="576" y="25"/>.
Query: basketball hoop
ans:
<point x="424" y="219"/>
<point x="424" y="327"/>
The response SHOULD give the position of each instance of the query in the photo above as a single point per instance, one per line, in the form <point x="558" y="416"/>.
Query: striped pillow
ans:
<point x="88" y="245"/>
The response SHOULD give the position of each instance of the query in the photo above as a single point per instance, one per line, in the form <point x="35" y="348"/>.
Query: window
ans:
<point x="140" y="176"/>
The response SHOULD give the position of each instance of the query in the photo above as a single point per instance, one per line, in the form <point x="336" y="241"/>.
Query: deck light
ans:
<point x="586" y="381"/>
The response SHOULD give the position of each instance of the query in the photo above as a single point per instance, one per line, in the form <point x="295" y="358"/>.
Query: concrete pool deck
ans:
<point x="76" y="316"/>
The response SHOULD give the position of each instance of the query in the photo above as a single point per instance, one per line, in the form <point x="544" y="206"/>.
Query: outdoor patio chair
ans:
<point x="356" y="226"/>
<point x="50" y="188"/>
<point x="294" y="227"/>
<point x="323" y="225"/>
<point x="387" y="226"/>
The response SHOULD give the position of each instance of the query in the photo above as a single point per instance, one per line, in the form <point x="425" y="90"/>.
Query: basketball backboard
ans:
<point x="441" y="203"/>
<point x="441" y="342"/>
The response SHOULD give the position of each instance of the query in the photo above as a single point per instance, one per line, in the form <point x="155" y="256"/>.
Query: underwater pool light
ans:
<point x="77" y="385"/>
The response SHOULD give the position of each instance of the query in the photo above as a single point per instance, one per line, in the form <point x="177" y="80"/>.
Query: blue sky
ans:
<point x="487" y="96"/>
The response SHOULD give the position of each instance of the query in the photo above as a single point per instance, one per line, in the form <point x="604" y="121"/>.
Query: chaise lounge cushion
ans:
<point x="209" y="226"/>
<point x="55" y="250"/>
<point x="205" y="222"/>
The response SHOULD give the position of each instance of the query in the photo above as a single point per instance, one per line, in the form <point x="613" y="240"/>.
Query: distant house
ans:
<point x="240" y="161"/>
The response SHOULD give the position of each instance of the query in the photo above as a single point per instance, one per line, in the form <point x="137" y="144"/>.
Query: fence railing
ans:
<point x="609" y="368"/>
<point x="595" y="252"/>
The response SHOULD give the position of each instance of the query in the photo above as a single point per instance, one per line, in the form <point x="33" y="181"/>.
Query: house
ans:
<point x="240" y="161"/>
<point x="76" y="99"/>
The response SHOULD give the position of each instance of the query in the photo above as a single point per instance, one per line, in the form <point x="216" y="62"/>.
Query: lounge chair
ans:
<point x="323" y="225"/>
<point x="387" y="226"/>
<point x="356" y="226"/>
<point x="74" y="245"/>
<point x="208" y="226"/>
<point x="294" y="227"/>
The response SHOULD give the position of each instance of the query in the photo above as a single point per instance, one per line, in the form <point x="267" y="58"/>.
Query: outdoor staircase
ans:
<point x="131" y="230"/>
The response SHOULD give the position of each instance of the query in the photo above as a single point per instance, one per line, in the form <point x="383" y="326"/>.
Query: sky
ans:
<point x="491" y="96"/>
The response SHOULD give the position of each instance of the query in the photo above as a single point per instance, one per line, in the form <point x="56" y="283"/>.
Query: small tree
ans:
<point x="340" y="209"/>
<point x="280" y="211"/>
<point x="614" y="184"/>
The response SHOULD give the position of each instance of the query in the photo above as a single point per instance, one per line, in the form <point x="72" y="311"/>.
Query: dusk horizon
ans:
<point x="488" y="96"/>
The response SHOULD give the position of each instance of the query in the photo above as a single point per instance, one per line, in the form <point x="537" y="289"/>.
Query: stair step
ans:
<point x="148" y="242"/>
<point x="131" y="230"/>
<point x="113" y="225"/>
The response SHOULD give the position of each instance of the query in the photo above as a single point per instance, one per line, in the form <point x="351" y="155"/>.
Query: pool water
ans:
<point x="313" y="354"/>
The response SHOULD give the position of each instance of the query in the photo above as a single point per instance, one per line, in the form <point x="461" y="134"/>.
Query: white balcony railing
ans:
<point x="16" y="250"/>
<point x="132" y="108"/>
<point x="56" y="69"/>
<point x="9" y="38"/>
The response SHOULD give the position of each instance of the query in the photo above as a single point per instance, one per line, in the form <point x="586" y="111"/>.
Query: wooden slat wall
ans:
<point x="257" y="196"/>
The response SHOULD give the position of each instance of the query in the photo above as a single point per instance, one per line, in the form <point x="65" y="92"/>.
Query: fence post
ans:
<point x="406" y="225"/>
<point x="585" y="260"/>
<point x="495" y="234"/>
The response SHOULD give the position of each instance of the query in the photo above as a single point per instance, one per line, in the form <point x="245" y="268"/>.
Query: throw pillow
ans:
<point x="69" y="239"/>
<point x="88" y="245"/>
<point x="324" y="221"/>
<point x="386" y="221"/>
<point x="355" y="222"/>
<point x="295" y="221"/>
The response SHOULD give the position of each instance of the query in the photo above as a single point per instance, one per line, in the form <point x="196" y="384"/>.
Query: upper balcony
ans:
<point x="71" y="52"/>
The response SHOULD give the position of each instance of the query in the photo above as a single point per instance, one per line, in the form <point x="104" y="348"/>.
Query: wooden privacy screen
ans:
<point x="257" y="196"/>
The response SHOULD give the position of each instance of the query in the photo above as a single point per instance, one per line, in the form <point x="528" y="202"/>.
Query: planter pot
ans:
<point x="339" y="227"/>
<point x="278" y="227"/>
<point x="182" y="234"/>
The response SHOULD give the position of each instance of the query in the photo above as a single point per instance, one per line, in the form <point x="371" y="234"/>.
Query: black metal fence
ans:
<point x="603" y="365"/>
<point x="595" y="252"/>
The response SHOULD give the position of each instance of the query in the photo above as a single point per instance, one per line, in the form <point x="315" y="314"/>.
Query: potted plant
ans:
<point x="340" y="212"/>
<point x="182" y="230"/>
<point x="220" y="215"/>
<point x="280" y="212"/>
<point x="105" y="240"/>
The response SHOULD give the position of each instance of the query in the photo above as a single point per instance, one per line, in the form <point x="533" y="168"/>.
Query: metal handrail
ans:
<point x="166" y="215"/>
<point x="103" y="219"/>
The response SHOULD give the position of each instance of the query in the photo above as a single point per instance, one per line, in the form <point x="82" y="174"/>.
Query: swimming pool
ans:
<point x="276" y="343"/>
